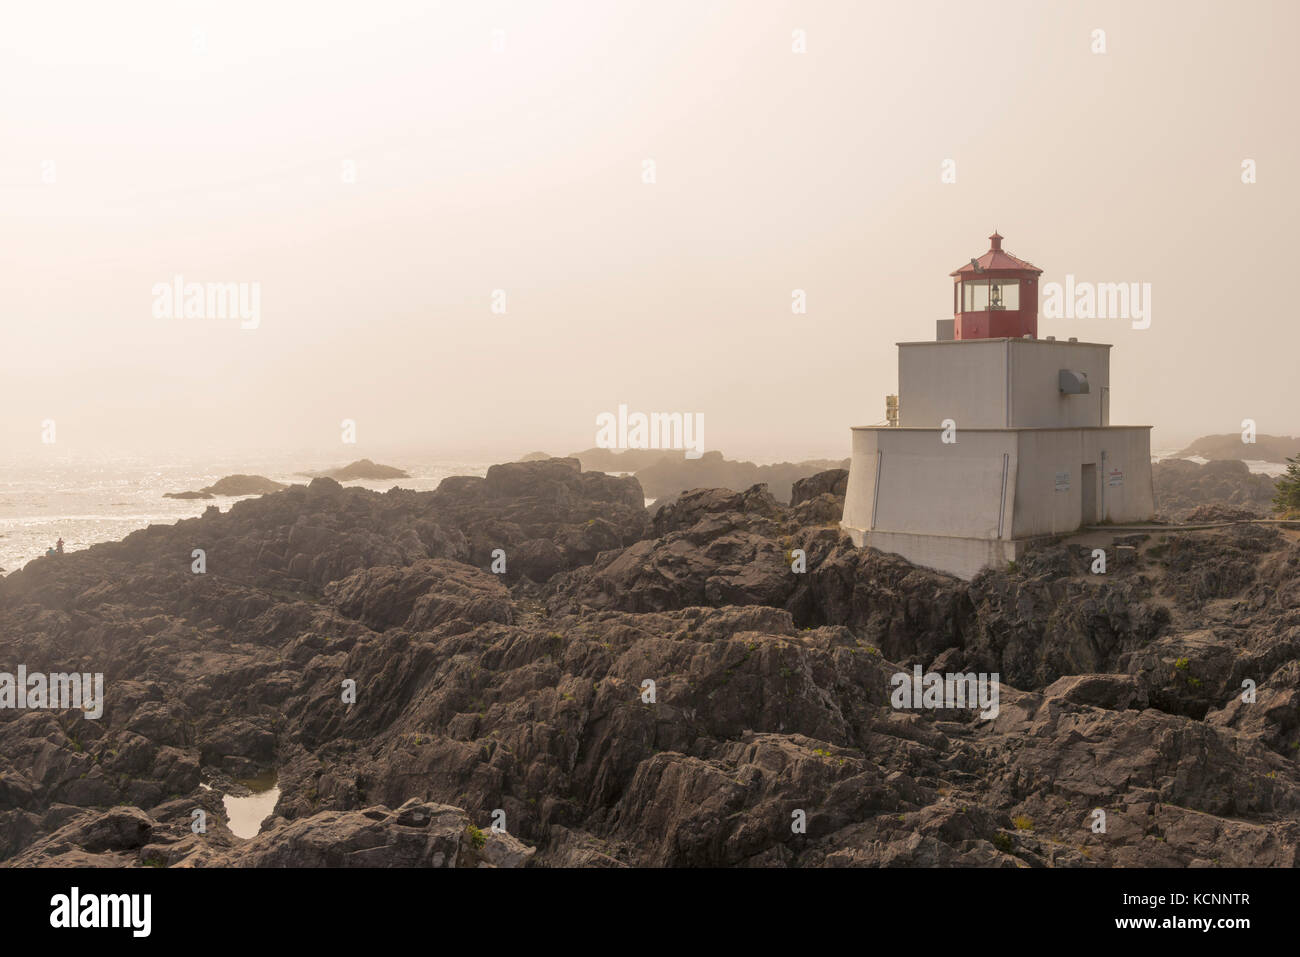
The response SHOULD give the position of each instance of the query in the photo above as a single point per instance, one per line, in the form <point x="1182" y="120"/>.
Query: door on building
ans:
<point x="1088" y="486"/>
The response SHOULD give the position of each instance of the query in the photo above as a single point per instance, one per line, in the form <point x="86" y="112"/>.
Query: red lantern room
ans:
<point x="995" y="296"/>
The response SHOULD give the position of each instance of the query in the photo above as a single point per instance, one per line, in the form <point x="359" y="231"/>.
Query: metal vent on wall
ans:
<point x="1074" y="383"/>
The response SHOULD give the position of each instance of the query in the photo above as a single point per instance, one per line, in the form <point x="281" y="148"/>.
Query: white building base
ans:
<point x="957" y="507"/>
<point x="963" y="557"/>
<point x="999" y="442"/>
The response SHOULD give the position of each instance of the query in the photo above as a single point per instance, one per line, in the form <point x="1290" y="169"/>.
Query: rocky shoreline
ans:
<point x="520" y="696"/>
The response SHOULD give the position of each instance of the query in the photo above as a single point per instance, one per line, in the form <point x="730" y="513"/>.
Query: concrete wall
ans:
<point x="860" y="491"/>
<point x="1045" y="507"/>
<point x="1126" y="493"/>
<point x="965" y="381"/>
<point x="927" y="487"/>
<point x="963" y="557"/>
<point x="1036" y="398"/>
<point x="943" y="506"/>
<point x="1000" y="383"/>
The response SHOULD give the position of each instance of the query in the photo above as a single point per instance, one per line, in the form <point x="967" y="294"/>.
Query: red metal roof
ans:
<point x="995" y="259"/>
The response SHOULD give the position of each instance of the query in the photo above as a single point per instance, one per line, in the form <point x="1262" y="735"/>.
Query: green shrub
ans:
<point x="476" y="837"/>
<point x="1287" y="498"/>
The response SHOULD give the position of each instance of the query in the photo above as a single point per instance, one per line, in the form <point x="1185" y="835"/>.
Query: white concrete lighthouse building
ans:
<point x="997" y="437"/>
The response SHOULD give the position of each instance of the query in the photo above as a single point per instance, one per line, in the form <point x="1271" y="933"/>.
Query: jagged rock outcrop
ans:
<point x="672" y="690"/>
<point x="834" y="482"/>
<point x="1181" y="487"/>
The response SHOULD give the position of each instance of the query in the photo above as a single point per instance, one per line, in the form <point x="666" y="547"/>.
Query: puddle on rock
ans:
<point x="247" y="813"/>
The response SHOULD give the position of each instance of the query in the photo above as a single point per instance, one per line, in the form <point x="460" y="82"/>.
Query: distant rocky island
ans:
<point x="664" y="474"/>
<point x="1265" y="448"/>
<point x="233" y="485"/>
<point x="362" y="469"/>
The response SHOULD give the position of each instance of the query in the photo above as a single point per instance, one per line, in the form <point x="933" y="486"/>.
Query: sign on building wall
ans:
<point x="1063" y="481"/>
<point x="1116" y="477"/>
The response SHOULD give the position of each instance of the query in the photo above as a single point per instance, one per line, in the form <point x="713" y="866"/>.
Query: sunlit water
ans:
<point x="89" y="499"/>
<point x="1259" y="466"/>
<point x="246" y="814"/>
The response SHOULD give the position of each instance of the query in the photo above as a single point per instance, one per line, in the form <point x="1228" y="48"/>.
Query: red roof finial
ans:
<point x="998" y="260"/>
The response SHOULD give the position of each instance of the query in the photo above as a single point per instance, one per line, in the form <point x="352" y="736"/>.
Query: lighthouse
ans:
<point x="995" y="296"/>
<point x="997" y="438"/>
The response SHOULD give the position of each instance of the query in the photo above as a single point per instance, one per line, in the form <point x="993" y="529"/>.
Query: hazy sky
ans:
<point x="146" y="140"/>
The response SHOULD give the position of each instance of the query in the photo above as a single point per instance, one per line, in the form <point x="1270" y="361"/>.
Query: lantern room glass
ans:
<point x="982" y="295"/>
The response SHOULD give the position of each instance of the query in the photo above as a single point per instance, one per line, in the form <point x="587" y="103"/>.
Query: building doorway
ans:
<point x="1088" y="486"/>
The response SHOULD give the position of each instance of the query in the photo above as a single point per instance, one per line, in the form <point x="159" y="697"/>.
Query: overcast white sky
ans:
<point x="208" y="139"/>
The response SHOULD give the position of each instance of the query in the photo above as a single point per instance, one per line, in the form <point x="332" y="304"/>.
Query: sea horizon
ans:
<point x="94" y="498"/>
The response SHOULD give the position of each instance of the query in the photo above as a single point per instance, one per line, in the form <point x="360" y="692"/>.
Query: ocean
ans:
<point x="86" y="499"/>
<point x="1255" y="465"/>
